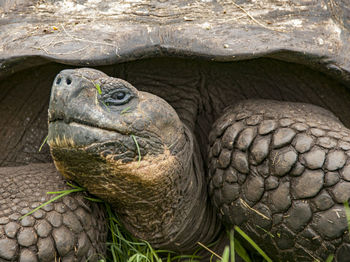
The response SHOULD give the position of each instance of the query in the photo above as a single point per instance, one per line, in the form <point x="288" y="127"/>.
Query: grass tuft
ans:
<point x="124" y="247"/>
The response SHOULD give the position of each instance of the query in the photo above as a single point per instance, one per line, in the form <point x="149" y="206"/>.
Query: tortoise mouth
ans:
<point x="79" y="133"/>
<point x="91" y="139"/>
<point x="80" y="122"/>
<point x="73" y="120"/>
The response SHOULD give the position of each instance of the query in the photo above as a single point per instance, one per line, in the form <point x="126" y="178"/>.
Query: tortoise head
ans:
<point x="89" y="108"/>
<point x="125" y="146"/>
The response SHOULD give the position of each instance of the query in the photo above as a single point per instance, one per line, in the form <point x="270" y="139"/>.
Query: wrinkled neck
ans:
<point x="169" y="206"/>
<point x="162" y="198"/>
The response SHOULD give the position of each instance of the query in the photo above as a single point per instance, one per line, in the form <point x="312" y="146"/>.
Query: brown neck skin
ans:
<point x="162" y="199"/>
<point x="166" y="201"/>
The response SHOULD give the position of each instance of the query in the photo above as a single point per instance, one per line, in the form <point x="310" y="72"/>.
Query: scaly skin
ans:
<point x="70" y="229"/>
<point x="281" y="171"/>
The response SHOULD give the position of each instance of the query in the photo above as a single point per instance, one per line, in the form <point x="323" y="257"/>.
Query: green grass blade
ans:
<point x="75" y="186"/>
<point x="98" y="87"/>
<point x="43" y="143"/>
<point x="330" y="258"/>
<point x="137" y="147"/>
<point x="240" y="250"/>
<point x="211" y="258"/>
<point x="106" y="106"/>
<point x="253" y="244"/>
<point x="114" y="255"/>
<point x="168" y="258"/>
<point x="267" y="232"/>
<point x="44" y="204"/>
<point x="232" y="245"/>
<point x="182" y="257"/>
<point x="99" y="91"/>
<point x="60" y="194"/>
<point x="137" y="257"/>
<point x="94" y="199"/>
<point x="226" y="254"/>
<point x="68" y="191"/>
<point x="125" y="110"/>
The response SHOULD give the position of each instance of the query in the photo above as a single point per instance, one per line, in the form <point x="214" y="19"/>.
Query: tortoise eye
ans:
<point x="118" y="97"/>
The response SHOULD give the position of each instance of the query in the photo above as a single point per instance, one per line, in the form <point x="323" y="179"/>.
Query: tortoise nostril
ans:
<point x="58" y="81"/>
<point x="68" y="80"/>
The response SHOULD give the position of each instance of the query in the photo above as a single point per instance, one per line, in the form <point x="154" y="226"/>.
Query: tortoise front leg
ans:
<point x="69" y="229"/>
<point x="281" y="172"/>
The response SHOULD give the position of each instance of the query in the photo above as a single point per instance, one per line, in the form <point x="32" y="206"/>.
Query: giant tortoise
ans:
<point x="229" y="113"/>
